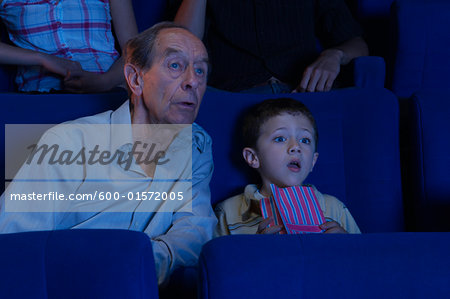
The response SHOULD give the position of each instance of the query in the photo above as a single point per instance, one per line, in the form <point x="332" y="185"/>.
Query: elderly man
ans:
<point x="128" y="169"/>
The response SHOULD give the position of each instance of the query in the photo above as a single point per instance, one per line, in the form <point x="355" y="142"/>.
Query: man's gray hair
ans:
<point x="139" y="50"/>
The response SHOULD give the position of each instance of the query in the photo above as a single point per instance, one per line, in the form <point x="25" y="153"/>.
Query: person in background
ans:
<point x="66" y="45"/>
<point x="271" y="46"/>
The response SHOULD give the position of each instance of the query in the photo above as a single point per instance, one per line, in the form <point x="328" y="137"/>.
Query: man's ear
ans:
<point x="250" y="157"/>
<point x="134" y="79"/>
<point x="315" y="157"/>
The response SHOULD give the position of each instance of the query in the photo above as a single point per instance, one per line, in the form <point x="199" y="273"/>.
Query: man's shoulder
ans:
<point x="200" y="138"/>
<point x="74" y="131"/>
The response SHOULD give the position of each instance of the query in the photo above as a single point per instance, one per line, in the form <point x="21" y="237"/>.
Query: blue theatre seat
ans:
<point x="389" y="265"/>
<point x="149" y="12"/>
<point x="77" y="264"/>
<point x="422" y="35"/>
<point x="358" y="147"/>
<point x="367" y="9"/>
<point x="373" y="15"/>
<point x="429" y="161"/>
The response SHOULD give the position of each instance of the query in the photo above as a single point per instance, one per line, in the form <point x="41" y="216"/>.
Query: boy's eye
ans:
<point x="279" y="139"/>
<point x="305" y="140"/>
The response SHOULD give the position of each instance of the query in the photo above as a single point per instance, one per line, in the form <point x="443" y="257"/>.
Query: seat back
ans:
<point x="429" y="162"/>
<point x="399" y="265"/>
<point x="149" y="12"/>
<point x="358" y="150"/>
<point x="77" y="264"/>
<point x="422" y="45"/>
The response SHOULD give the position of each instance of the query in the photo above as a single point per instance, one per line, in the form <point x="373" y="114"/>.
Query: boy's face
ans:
<point x="285" y="151"/>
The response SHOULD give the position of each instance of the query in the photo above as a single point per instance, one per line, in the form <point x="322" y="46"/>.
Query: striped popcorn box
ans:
<point x="269" y="209"/>
<point x="298" y="208"/>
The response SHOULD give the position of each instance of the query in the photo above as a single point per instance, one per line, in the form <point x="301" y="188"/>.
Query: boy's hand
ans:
<point x="263" y="229"/>
<point x="332" y="227"/>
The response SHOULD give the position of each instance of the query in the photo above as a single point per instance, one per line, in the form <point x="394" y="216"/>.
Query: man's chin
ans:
<point x="187" y="119"/>
<point x="183" y="116"/>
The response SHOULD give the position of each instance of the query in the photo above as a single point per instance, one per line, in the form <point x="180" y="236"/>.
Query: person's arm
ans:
<point x="181" y="245"/>
<point x="18" y="56"/>
<point x="191" y="14"/>
<point x="125" y="28"/>
<point x="320" y="75"/>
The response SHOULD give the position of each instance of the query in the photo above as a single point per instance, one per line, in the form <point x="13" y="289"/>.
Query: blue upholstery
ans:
<point x="369" y="72"/>
<point x="423" y="42"/>
<point x="77" y="264"/>
<point x="395" y="265"/>
<point x="429" y="163"/>
<point x="149" y="12"/>
<point x="373" y="8"/>
<point x="373" y="15"/>
<point x="358" y="147"/>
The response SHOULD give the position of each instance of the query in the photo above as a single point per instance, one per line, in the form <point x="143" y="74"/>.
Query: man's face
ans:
<point x="174" y="85"/>
<point x="285" y="151"/>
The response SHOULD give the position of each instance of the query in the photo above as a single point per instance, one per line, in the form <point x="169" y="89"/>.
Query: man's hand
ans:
<point x="320" y="75"/>
<point x="263" y="229"/>
<point x="332" y="227"/>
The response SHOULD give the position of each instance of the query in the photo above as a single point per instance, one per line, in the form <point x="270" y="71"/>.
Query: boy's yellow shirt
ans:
<point x="241" y="214"/>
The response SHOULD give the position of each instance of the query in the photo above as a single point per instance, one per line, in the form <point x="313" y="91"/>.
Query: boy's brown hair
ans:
<point x="262" y="112"/>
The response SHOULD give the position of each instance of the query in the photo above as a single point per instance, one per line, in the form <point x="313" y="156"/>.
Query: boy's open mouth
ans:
<point x="294" y="166"/>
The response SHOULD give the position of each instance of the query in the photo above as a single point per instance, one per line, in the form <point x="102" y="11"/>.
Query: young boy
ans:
<point x="280" y="138"/>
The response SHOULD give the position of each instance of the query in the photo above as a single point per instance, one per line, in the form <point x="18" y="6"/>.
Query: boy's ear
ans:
<point x="250" y="157"/>
<point x="134" y="79"/>
<point x="315" y="157"/>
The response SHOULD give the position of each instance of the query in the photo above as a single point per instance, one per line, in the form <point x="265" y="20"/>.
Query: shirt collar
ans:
<point x="121" y="127"/>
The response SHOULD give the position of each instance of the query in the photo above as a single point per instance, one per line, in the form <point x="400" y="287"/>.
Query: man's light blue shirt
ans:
<point x="177" y="229"/>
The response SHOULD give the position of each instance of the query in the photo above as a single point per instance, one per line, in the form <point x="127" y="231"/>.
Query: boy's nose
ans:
<point x="294" y="147"/>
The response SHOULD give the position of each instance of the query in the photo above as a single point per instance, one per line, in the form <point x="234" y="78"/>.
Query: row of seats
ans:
<point x="359" y="148"/>
<point x="102" y="264"/>
<point x="414" y="38"/>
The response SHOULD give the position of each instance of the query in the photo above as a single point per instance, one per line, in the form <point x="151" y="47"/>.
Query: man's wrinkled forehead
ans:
<point x="179" y="41"/>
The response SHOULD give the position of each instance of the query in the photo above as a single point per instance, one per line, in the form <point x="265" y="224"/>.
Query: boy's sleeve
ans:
<point x="347" y="222"/>
<point x="336" y="210"/>
<point x="222" y="225"/>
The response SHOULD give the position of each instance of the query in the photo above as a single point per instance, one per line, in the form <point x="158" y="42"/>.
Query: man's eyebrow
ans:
<point x="170" y="51"/>
<point x="204" y="59"/>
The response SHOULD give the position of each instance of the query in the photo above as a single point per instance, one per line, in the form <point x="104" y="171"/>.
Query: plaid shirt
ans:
<point x="79" y="30"/>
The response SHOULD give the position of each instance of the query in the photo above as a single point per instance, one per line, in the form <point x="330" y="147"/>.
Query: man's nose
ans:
<point x="191" y="80"/>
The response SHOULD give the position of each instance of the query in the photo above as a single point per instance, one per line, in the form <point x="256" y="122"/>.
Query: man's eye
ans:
<point x="279" y="139"/>
<point x="199" y="71"/>
<point x="305" y="140"/>
<point x="175" y="65"/>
